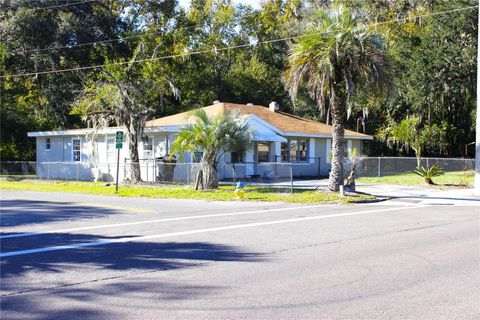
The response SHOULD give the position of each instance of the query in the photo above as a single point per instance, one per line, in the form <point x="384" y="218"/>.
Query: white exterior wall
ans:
<point x="97" y="163"/>
<point x="323" y="147"/>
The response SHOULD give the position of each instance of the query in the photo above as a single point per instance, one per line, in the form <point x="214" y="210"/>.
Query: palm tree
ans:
<point x="333" y="54"/>
<point x="213" y="136"/>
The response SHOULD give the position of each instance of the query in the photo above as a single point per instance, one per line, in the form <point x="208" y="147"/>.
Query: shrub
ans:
<point x="427" y="173"/>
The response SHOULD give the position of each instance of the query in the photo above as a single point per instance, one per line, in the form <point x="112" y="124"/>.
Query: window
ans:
<point x="302" y="150"/>
<point x="148" y="147"/>
<point x="76" y="150"/>
<point x="295" y="150"/>
<point x="48" y="144"/>
<point x="197" y="156"/>
<point x="263" y="151"/>
<point x="110" y="149"/>
<point x="284" y="152"/>
<point x="237" y="157"/>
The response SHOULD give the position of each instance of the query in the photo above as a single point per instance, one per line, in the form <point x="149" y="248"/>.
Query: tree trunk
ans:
<point x="199" y="180"/>
<point x="338" y="102"/>
<point x="210" y="174"/>
<point x="135" y="174"/>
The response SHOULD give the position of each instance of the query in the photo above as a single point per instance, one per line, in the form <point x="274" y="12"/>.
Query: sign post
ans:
<point x="118" y="146"/>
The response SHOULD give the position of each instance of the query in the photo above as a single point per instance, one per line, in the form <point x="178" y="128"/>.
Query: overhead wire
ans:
<point x="116" y="39"/>
<point x="61" y="5"/>
<point x="218" y="49"/>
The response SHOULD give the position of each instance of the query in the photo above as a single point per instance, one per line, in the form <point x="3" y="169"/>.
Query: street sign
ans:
<point x="119" y="139"/>
<point x="118" y="145"/>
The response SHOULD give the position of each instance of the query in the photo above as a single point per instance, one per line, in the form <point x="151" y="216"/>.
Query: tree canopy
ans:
<point x="239" y="54"/>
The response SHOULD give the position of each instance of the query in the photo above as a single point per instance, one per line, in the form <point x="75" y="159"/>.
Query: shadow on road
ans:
<point x="118" y="256"/>
<point x="57" y="284"/>
<point x="104" y="300"/>
<point x="22" y="212"/>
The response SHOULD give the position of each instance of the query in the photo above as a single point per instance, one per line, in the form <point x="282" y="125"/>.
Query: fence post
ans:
<point x="124" y="169"/>
<point x="48" y="171"/>
<point x="291" y="179"/>
<point x="146" y="170"/>
<point x="234" y="175"/>
<point x="379" y="165"/>
<point x="427" y="162"/>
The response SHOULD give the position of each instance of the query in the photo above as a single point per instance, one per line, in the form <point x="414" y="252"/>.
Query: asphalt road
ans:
<point x="67" y="256"/>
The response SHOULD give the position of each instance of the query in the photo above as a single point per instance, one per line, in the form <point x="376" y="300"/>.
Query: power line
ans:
<point x="115" y="39"/>
<point x="216" y="50"/>
<point x="61" y="5"/>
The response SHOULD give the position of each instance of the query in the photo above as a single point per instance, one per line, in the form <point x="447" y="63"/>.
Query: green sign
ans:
<point x="119" y="137"/>
<point x="119" y="140"/>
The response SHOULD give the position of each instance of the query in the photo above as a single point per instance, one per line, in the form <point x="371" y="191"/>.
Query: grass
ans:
<point x="459" y="178"/>
<point x="178" y="192"/>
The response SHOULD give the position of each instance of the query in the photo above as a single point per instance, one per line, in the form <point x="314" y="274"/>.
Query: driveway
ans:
<point x="67" y="256"/>
<point x="398" y="194"/>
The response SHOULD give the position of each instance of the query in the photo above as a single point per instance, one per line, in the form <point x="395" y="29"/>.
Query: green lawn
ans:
<point x="177" y="192"/>
<point x="460" y="178"/>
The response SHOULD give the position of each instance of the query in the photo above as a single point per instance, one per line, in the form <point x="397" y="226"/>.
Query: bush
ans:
<point x="427" y="173"/>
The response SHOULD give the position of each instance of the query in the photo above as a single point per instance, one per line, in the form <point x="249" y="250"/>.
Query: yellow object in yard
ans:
<point x="239" y="190"/>
<point x="240" y="193"/>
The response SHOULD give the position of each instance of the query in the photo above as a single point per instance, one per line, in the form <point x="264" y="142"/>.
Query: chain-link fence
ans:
<point x="278" y="175"/>
<point x="155" y="171"/>
<point x="18" y="168"/>
<point x="267" y="174"/>
<point x="385" y="166"/>
<point x="77" y="171"/>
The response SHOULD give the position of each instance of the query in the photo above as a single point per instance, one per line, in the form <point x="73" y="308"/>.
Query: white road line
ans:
<point x="190" y="232"/>
<point x="30" y="234"/>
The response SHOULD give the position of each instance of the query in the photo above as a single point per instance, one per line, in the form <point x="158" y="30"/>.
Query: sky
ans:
<point x="254" y="3"/>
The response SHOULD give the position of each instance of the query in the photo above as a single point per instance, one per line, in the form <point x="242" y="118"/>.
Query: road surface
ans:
<point x="66" y="256"/>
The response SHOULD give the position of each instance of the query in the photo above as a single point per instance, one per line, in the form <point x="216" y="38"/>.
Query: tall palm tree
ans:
<point x="213" y="136"/>
<point x="334" y="53"/>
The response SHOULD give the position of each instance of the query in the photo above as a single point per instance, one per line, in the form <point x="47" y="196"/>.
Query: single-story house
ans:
<point x="279" y="138"/>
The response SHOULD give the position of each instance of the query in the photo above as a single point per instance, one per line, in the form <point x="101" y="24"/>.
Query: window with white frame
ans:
<point x="110" y="150"/>
<point x="237" y="157"/>
<point x="76" y="149"/>
<point x="285" y="151"/>
<point x="148" y="148"/>
<point x="263" y="151"/>
<point x="48" y="144"/>
<point x="295" y="150"/>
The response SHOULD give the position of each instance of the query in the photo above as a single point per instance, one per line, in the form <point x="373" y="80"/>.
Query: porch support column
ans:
<point x="277" y="151"/>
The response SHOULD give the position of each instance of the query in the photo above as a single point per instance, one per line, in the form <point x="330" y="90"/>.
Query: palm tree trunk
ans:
<point x="210" y="173"/>
<point x="338" y="131"/>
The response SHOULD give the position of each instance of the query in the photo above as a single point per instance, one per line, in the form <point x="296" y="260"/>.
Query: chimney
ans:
<point x="274" y="106"/>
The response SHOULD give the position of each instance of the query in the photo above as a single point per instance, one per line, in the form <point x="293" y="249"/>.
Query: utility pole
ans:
<point x="477" y="139"/>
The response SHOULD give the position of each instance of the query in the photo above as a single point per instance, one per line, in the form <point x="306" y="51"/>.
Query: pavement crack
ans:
<point x="313" y="245"/>
<point x="73" y="284"/>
